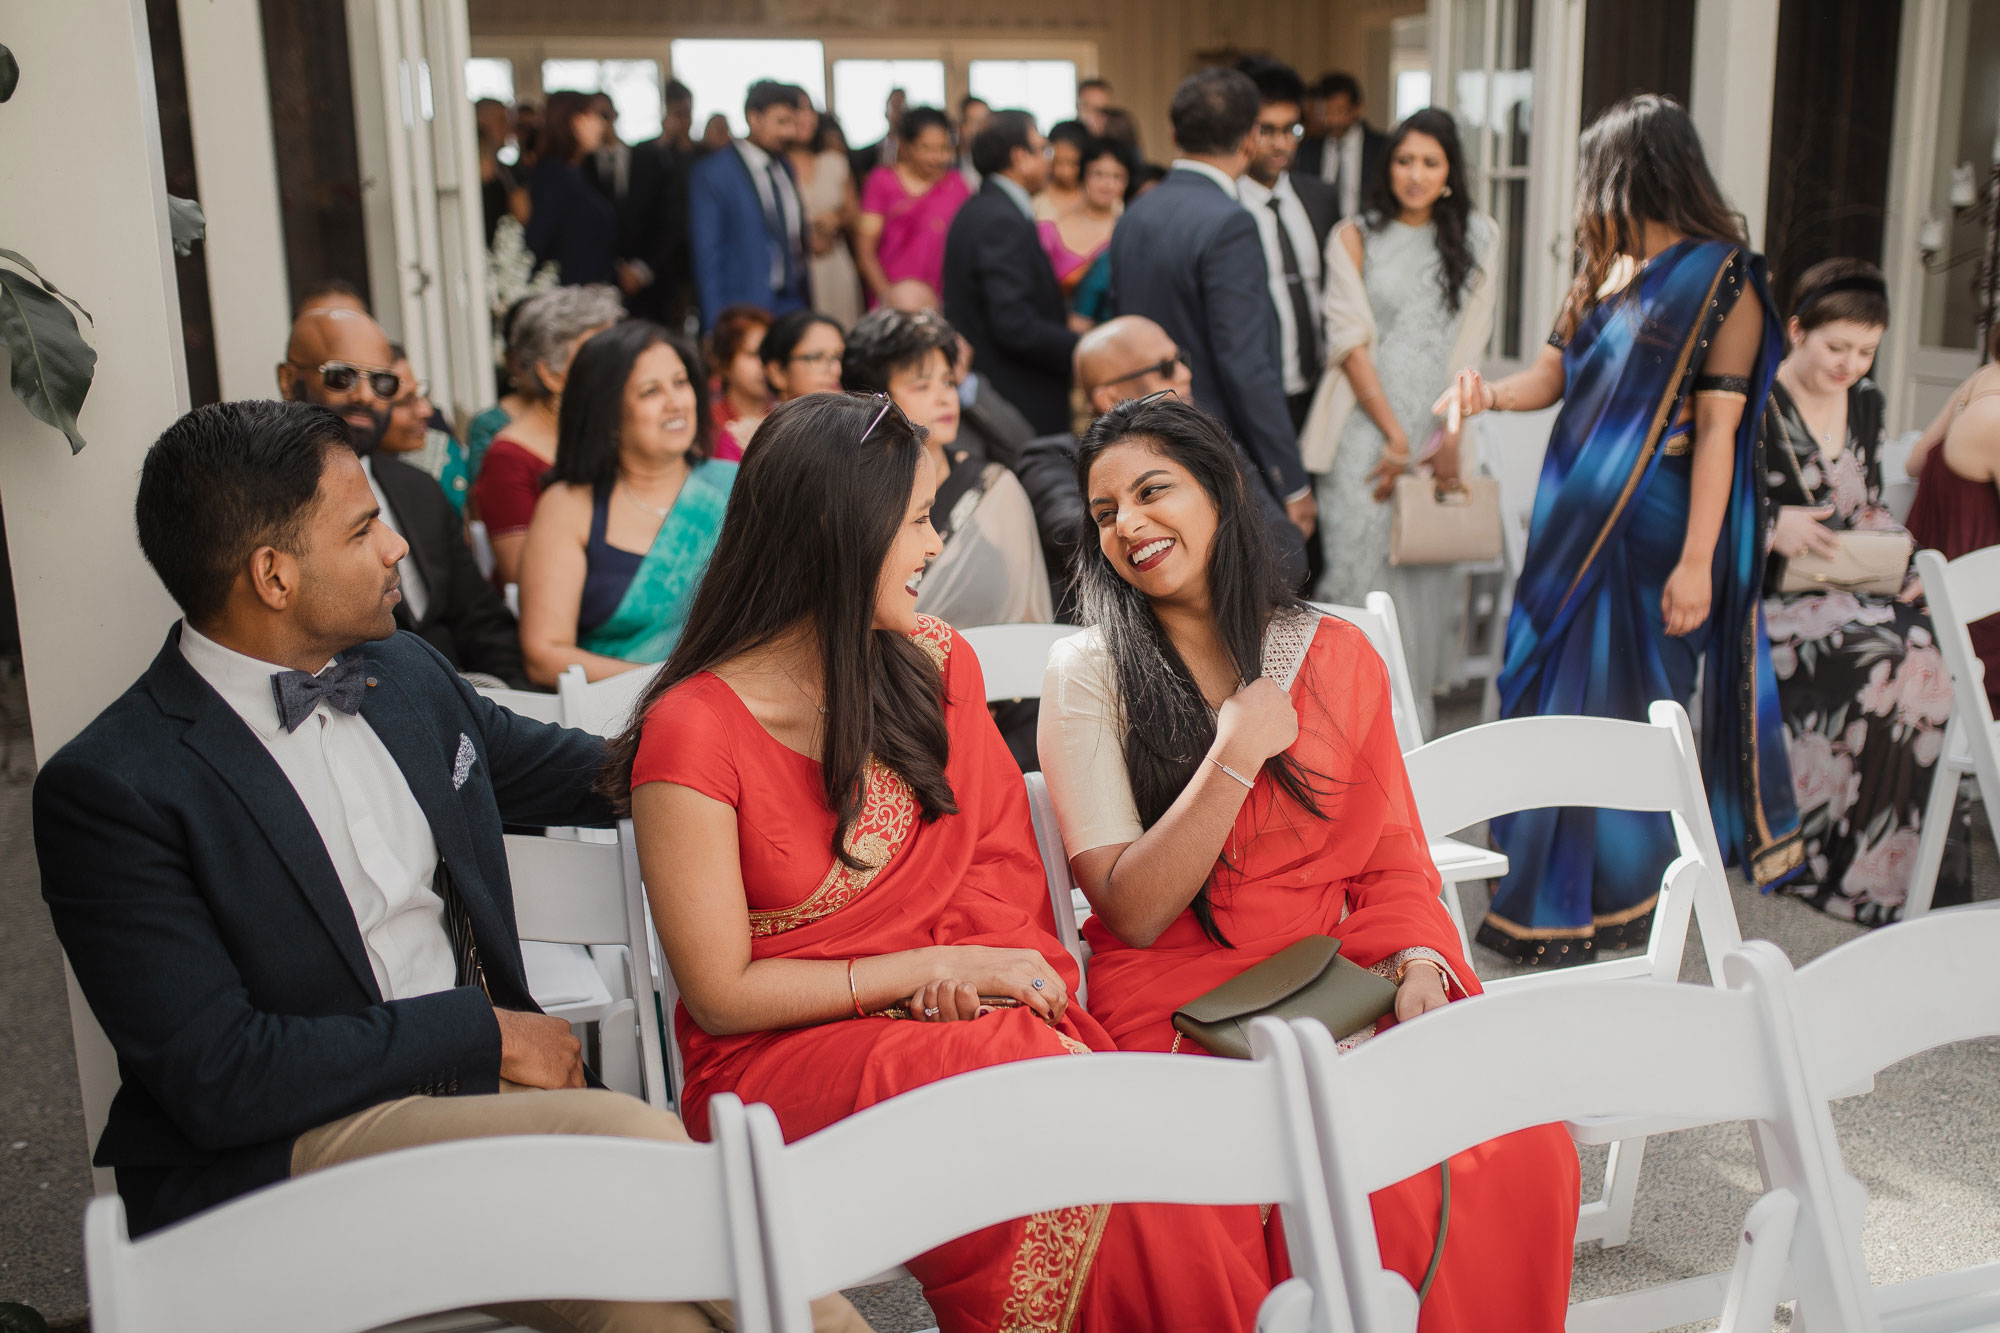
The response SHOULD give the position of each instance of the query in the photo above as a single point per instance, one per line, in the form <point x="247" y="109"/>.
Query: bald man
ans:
<point x="340" y="359"/>
<point x="1121" y="359"/>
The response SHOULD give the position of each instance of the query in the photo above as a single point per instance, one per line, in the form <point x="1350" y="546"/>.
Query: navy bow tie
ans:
<point x="299" y="692"/>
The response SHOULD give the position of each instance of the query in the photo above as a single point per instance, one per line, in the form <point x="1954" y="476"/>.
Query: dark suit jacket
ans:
<point x="732" y="244"/>
<point x="1187" y="256"/>
<point x="1312" y="157"/>
<point x="654" y="229"/>
<point x="1047" y="471"/>
<point x="1000" y="292"/>
<point x="1322" y="205"/>
<point x="212" y="937"/>
<point x="464" y="618"/>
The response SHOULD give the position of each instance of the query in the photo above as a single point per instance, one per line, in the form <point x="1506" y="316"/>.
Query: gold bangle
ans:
<point x="855" y="990"/>
<point x="1444" y="980"/>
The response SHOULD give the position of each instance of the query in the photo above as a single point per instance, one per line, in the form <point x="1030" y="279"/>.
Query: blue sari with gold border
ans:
<point x="1586" y="635"/>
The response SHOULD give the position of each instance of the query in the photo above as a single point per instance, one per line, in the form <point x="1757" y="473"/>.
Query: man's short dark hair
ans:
<point x="884" y="341"/>
<point x="1070" y="132"/>
<point x="967" y="100"/>
<point x="224" y="480"/>
<point x="1088" y="84"/>
<point x="767" y="93"/>
<point x="993" y="147"/>
<point x="1213" y="111"/>
<point x="1276" y="81"/>
<point x="1336" y="83"/>
<point x="677" y="92"/>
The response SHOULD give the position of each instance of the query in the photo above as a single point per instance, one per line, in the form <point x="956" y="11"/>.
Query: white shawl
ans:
<point x="1350" y="324"/>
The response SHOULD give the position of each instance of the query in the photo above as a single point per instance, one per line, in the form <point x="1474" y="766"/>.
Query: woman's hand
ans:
<point x="1799" y="530"/>
<point x="1020" y="974"/>
<point x="1422" y="990"/>
<point x="1255" y="723"/>
<point x="1684" y="604"/>
<point x="1444" y="465"/>
<point x="945" y="1002"/>
<point x="1394" y="461"/>
<point x="1474" y="396"/>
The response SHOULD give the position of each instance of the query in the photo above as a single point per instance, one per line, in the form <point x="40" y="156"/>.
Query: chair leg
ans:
<point x="1938" y="811"/>
<point x="1621" y="1191"/>
<point x="1457" y="910"/>
<point x="1761" y="1261"/>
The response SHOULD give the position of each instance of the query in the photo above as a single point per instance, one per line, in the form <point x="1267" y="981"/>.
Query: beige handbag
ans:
<point x="1870" y="562"/>
<point x="1438" y="527"/>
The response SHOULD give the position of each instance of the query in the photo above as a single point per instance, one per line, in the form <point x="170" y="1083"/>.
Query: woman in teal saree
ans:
<point x="1646" y="553"/>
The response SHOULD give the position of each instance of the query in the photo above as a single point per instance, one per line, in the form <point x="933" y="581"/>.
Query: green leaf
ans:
<point x="20" y="1318"/>
<point x="185" y="223"/>
<point x="20" y="260"/>
<point x="52" y="364"/>
<point x="10" y="73"/>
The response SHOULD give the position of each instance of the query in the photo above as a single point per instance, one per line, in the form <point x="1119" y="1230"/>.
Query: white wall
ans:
<point x="1735" y="77"/>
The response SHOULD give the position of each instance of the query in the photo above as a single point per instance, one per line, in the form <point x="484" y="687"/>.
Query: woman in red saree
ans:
<point x="831" y="827"/>
<point x="1212" y="823"/>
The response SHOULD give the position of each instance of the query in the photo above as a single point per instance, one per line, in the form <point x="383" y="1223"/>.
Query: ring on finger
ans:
<point x="1038" y="983"/>
<point x="931" y="1012"/>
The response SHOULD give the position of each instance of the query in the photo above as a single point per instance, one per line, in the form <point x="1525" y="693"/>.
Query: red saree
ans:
<point x="973" y="878"/>
<point x="1364" y="876"/>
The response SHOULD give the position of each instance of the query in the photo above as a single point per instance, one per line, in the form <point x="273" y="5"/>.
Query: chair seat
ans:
<point x="1461" y="862"/>
<point x="1960" y="758"/>
<point x="565" y="981"/>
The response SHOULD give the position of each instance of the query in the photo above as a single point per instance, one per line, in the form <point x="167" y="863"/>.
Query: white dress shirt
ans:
<point x="785" y="207"/>
<point x="375" y="833"/>
<point x="416" y="593"/>
<point x="1216" y="174"/>
<point x="1018" y="192"/>
<point x="1340" y="165"/>
<point x="1305" y="246"/>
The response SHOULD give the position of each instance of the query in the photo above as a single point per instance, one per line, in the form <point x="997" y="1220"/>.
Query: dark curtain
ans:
<point x="163" y="26"/>
<point x="1636" y="48"/>
<point x="312" y="126"/>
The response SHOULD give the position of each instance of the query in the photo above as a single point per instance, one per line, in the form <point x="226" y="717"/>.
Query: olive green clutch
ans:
<point x="1305" y="980"/>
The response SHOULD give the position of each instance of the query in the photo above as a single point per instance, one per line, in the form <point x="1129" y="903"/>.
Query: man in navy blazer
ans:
<point x="275" y="862"/>
<point x="999" y="290"/>
<point x="749" y="237"/>
<point x="1187" y="256"/>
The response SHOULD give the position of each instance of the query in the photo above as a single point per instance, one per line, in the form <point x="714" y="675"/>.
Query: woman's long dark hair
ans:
<point x="1641" y="161"/>
<point x="1168" y="727"/>
<point x="809" y="525"/>
<point x="593" y="401"/>
<point x="1449" y="215"/>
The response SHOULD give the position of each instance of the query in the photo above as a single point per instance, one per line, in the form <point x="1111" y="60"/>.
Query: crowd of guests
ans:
<point x="791" y="521"/>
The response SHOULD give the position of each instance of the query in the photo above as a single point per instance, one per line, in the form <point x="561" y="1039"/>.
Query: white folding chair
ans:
<point x="1695" y="1055"/>
<point x="601" y="707"/>
<point x="895" y="1180"/>
<point x="1861" y="1008"/>
<point x="1013" y="657"/>
<point x="569" y="893"/>
<point x="1457" y="861"/>
<point x="1511" y="448"/>
<point x="531" y="704"/>
<point x="1899" y="488"/>
<point x="560" y="1217"/>
<point x="1500" y="768"/>
<point x="1965" y="590"/>
<point x="1071" y="908"/>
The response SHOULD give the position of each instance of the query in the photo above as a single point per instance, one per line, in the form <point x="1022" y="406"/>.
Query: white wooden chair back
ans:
<point x="531" y="704"/>
<point x="560" y="1216"/>
<point x="1378" y="621"/>
<point x="1397" y="1105"/>
<point x="1959" y="592"/>
<point x="1511" y="448"/>
<point x="601" y="707"/>
<point x="897" y="1179"/>
<point x="590" y="893"/>
<point x="1013" y="657"/>
<point x="1071" y="908"/>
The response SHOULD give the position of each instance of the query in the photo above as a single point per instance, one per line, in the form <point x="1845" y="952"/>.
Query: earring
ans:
<point x="1447" y="192"/>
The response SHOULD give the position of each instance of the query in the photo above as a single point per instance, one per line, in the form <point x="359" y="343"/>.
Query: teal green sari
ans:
<point x="650" y="616"/>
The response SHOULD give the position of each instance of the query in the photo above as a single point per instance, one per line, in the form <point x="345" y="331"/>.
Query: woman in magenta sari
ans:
<point x="1213" y="823"/>
<point x="838" y="853"/>
<point x="907" y="208"/>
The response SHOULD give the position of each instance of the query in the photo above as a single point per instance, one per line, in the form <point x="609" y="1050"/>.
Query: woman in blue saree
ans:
<point x="623" y="532"/>
<point x="1646" y="554"/>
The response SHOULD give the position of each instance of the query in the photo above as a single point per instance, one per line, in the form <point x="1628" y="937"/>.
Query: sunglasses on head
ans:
<point x="342" y="376"/>
<point x="888" y="406"/>
<point x="1163" y="368"/>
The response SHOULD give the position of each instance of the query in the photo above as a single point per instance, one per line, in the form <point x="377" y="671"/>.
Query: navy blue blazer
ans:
<point x="733" y="243"/>
<point x="210" y="933"/>
<point x="1000" y="292"/>
<point x="1187" y="256"/>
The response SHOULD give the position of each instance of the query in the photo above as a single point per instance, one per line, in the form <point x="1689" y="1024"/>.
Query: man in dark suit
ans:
<point x="1345" y="151"/>
<point x="340" y="359"/>
<point x="749" y="237"/>
<point x="659" y="215"/>
<point x="275" y="862"/>
<point x="1187" y="256"/>
<point x="999" y="290"/>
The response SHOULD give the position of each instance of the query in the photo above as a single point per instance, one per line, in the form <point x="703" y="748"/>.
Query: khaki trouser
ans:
<point x="413" y="1121"/>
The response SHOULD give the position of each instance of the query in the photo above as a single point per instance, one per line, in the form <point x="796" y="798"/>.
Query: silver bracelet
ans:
<point x="1232" y="772"/>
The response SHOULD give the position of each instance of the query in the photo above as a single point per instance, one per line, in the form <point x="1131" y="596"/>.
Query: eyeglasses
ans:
<point x="816" y="359"/>
<point x="418" y="389"/>
<point x="342" y="376"/>
<point x="888" y="406"/>
<point x="1162" y="368"/>
<point x="1294" y="131"/>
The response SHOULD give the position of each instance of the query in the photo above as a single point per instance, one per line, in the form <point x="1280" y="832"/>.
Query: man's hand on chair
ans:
<point x="538" y="1051"/>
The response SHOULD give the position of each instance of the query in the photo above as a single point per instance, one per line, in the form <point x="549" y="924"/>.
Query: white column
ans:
<point x="1735" y="75"/>
<point x="83" y="196"/>
<point x="229" y="108"/>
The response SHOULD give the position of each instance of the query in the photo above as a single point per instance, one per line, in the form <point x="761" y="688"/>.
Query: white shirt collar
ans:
<point x="755" y="156"/>
<point x="1216" y="174"/>
<point x="1255" y="194"/>
<point x="244" y="682"/>
<point x="1017" y="192"/>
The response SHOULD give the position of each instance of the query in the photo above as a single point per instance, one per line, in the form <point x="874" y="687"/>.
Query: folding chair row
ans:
<point x="1959" y="592"/>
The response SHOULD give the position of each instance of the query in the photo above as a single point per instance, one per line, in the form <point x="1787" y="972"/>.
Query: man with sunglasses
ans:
<point x="341" y="359"/>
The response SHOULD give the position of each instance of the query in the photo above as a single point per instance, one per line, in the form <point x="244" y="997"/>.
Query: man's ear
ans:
<point x="274" y="578"/>
<point x="287" y="375"/>
<point x="1102" y="399"/>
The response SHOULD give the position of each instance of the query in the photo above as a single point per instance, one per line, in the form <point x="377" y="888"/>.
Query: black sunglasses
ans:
<point x="342" y="376"/>
<point x="888" y="406"/>
<point x="1166" y="367"/>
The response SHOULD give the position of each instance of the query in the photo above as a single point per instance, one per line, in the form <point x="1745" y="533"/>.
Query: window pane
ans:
<point x="486" y="77"/>
<point x="1045" y="89"/>
<point x="1410" y="63"/>
<point x="634" y="87"/>
<point x="1968" y="104"/>
<point x="861" y="91"/>
<point x="720" y="71"/>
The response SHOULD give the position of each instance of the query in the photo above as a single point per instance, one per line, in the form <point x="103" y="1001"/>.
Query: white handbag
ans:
<point x="1432" y="526"/>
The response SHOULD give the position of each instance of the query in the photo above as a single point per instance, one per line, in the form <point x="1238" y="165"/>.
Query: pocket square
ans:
<point x="461" y="767"/>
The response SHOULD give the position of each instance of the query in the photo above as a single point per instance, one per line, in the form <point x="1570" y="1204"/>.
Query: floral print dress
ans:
<point x="1862" y="685"/>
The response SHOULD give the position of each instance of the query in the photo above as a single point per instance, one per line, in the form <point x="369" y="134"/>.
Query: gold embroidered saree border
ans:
<point x="1605" y="922"/>
<point x="1051" y="1268"/>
